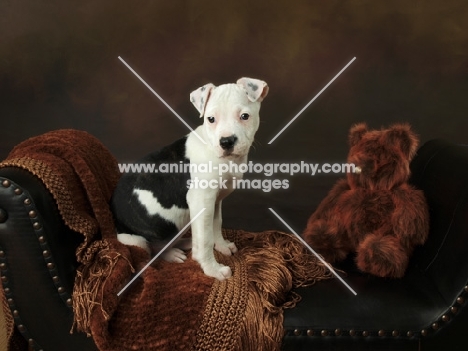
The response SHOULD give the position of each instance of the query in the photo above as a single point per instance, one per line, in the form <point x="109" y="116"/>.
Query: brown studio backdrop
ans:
<point x="59" y="68"/>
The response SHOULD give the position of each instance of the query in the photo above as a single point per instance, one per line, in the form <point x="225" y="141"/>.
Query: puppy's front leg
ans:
<point x="202" y="233"/>
<point x="220" y="244"/>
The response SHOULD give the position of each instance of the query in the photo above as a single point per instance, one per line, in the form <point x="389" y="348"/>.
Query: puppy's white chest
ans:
<point x="228" y="180"/>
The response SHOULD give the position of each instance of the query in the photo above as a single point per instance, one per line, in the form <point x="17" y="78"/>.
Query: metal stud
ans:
<point x="381" y="332"/>
<point x="41" y="239"/>
<point x="15" y="313"/>
<point x="454" y="309"/>
<point x="410" y="334"/>
<point x="395" y="333"/>
<point x="2" y="254"/>
<point x="6" y="183"/>
<point x="310" y="332"/>
<point x="4" y="279"/>
<point x="50" y="265"/>
<point x="27" y="202"/>
<point x="352" y="332"/>
<point x="466" y="288"/>
<point x="424" y="332"/>
<point x="21" y="328"/>
<point x="297" y="332"/>
<point x="37" y="225"/>
<point x="460" y="300"/>
<point x="445" y="318"/>
<point x="32" y="214"/>
<point x="3" y="266"/>
<point x="10" y="301"/>
<point x="61" y="289"/>
<point x="55" y="278"/>
<point x="18" y="191"/>
<point x="435" y="325"/>
<point x="46" y="253"/>
<point x="338" y="332"/>
<point x="365" y="333"/>
<point x="324" y="332"/>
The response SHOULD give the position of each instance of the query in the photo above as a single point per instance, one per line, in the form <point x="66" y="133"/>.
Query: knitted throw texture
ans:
<point x="170" y="306"/>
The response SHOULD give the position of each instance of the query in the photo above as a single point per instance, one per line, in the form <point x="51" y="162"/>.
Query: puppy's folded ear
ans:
<point x="200" y="97"/>
<point x="256" y="89"/>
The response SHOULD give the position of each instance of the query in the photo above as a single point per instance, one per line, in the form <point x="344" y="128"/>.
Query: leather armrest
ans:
<point x="37" y="262"/>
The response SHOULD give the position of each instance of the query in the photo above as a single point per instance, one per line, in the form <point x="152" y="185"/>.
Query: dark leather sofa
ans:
<point x="425" y="310"/>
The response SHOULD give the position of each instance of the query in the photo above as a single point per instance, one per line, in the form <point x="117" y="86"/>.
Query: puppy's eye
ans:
<point x="245" y="116"/>
<point x="211" y="119"/>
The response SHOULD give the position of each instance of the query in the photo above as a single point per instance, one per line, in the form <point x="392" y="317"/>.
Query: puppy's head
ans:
<point x="231" y="114"/>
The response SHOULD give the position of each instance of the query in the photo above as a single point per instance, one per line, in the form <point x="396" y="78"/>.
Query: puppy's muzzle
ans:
<point x="227" y="143"/>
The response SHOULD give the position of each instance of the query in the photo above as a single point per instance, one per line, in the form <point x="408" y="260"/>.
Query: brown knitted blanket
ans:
<point x="170" y="306"/>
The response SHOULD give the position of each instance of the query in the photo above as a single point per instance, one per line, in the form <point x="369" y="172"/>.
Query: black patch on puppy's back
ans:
<point x="168" y="188"/>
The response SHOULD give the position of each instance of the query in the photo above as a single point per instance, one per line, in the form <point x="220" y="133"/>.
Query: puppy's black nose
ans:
<point x="227" y="142"/>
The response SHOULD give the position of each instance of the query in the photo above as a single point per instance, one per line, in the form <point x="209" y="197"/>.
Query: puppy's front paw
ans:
<point x="218" y="271"/>
<point x="174" y="255"/>
<point x="227" y="248"/>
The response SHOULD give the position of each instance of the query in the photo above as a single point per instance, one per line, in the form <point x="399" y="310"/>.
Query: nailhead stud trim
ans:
<point x="37" y="225"/>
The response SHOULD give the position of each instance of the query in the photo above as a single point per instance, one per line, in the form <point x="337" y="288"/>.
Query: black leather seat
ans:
<point x="426" y="307"/>
<point x="424" y="310"/>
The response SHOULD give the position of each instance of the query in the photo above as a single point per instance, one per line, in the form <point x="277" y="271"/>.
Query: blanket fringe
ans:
<point x="276" y="263"/>
<point x="99" y="261"/>
<point x="248" y="308"/>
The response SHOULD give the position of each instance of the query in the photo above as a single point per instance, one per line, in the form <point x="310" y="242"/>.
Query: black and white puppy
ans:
<point x="151" y="208"/>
